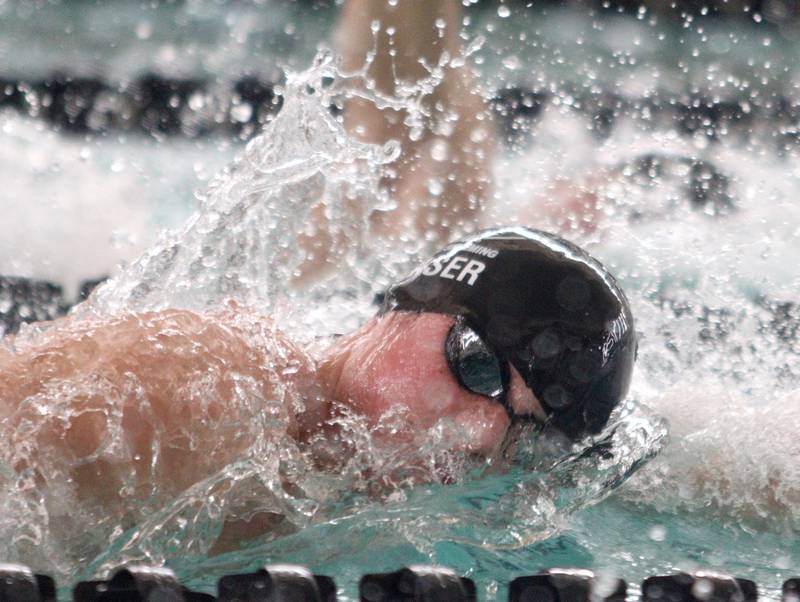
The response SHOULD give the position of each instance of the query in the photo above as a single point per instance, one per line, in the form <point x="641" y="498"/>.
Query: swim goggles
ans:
<point x="478" y="368"/>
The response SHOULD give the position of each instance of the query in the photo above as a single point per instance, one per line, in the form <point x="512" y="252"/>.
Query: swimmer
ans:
<point x="508" y="326"/>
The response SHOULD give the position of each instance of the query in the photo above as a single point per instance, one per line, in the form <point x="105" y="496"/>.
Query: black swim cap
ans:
<point x="544" y="306"/>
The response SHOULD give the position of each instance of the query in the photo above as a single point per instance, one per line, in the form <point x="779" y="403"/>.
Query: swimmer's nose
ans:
<point x="522" y="401"/>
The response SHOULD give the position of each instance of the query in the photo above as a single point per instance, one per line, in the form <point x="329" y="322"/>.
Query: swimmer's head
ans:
<point x="394" y="365"/>
<point x="533" y="305"/>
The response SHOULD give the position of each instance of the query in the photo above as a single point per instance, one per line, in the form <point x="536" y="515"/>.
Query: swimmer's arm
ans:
<point x="451" y="150"/>
<point x="453" y="153"/>
<point x="141" y="404"/>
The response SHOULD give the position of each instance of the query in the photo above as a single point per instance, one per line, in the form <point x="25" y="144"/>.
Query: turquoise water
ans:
<point x="731" y="397"/>
<point x="610" y="538"/>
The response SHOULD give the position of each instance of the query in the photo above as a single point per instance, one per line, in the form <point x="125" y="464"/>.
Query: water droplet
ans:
<point x="503" y="11"/>
<point x="784" y="563"/>
<point x="144" y="30"/>
<point x="605" y="585"/>
<point x="657" y="533"/>
<point x="435" y="186"/>
<point x="391" y="151"/>
<point x="197" y="101"/>
<point x="291" y="369"/>
<point x="702" y="589"/>
<point x="478" y="135"/>
<point x="440" y="151"/>
<point x="512" y="62"/>
<point x="242" y="112"/>
<point x="416" y="133"/>
<point x="457" y="62"/>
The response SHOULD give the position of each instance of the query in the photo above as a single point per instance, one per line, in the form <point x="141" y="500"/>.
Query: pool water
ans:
<point x="712" y="293"/>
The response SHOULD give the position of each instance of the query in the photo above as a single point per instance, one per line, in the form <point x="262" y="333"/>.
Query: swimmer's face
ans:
<point x="398" y="360"/>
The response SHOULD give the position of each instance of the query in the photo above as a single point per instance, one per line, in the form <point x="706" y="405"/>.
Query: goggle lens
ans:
<point x="476" y="367"/>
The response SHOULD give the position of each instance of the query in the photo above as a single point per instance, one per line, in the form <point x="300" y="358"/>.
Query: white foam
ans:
<point x="716" y="369"/>
<point x="731" y="455"/>
<point x="66" y="214"/>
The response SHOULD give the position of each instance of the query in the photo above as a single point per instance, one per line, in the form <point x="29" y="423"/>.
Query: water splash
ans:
<point x="494" y="508"/>
<point x="243" y="244"/>
<point x="713" y="292"/>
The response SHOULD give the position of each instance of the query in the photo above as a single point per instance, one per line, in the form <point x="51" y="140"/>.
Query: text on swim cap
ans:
<point x="458" y="268"/>
<point x="485" y="251"/>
